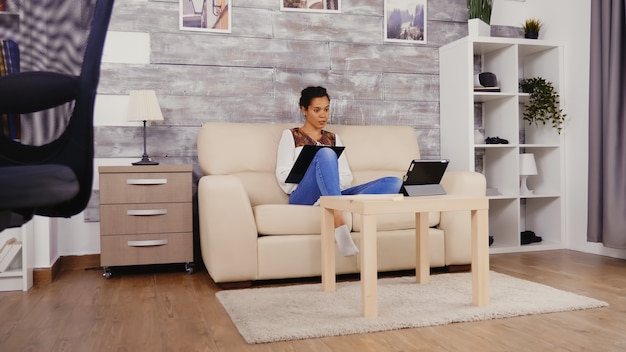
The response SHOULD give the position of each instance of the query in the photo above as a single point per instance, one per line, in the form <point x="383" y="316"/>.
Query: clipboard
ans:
<point x="304" y="160"/>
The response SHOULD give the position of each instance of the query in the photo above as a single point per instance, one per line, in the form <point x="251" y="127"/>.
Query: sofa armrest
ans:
<point x="228" y="234"/>
<point x="457" y="224"/>
<point x="464" y="182"/>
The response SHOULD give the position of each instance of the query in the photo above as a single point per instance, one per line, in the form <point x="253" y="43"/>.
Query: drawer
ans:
<point x="148" y="187"/>
<point x="146" y="249"/>
<point x="119" y="219"/>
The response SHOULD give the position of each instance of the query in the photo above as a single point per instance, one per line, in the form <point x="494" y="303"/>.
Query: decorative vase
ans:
<point x="531" y="35"/>
<point x="477" y="28"/>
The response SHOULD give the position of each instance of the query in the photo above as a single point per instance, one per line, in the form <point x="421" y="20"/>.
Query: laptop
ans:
<point x="304" y="160"/>
<point x="423" y="178"/>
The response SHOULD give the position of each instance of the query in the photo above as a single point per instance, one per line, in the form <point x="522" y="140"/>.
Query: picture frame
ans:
<point x="325" y="6"/>
<point x="205" y="16"/>
<point x="405" y="21"/>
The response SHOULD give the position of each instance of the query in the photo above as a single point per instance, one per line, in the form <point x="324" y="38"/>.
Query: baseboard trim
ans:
<point x="45" y="276"/>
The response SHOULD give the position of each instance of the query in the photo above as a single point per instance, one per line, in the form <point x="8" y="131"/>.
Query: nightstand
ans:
<point x="145" y="216"/>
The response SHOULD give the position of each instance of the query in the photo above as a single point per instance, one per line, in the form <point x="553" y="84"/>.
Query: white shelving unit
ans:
<point x="19" y="275"/>
<point x="499" y="114"/>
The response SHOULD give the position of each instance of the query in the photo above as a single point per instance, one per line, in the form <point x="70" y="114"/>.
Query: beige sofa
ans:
<point x="249" y="232"/>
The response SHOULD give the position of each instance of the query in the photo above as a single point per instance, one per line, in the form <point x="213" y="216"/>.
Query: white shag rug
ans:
<point x="270" y="314"/>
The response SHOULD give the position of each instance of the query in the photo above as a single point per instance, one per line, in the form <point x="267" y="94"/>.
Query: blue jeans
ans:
<point x="322" y="179"/>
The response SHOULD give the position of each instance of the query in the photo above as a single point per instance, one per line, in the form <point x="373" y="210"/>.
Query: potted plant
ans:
<point x="543" y="106"/>
<point x="531" y="28"/>
<point x="479" y="14"/>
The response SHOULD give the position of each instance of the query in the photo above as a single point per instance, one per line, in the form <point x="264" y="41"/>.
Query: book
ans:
<point x="11" y="249"/>
<point x="486" y="89"/>
<point x="6" y="247"/>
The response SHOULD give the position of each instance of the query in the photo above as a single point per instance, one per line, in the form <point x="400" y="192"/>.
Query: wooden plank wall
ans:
<point x="256" y="73"/>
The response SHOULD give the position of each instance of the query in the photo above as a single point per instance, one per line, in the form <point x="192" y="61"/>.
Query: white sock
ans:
<point x="344" y="241"/>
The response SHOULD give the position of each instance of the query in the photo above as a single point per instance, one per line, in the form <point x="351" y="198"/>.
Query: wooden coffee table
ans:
<point x="371" y="205"/>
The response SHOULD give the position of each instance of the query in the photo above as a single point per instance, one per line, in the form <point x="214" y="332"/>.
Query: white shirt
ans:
<point x="287" y="155"/>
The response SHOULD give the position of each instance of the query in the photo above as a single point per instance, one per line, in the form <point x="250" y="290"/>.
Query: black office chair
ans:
<point x="54" y="179"/>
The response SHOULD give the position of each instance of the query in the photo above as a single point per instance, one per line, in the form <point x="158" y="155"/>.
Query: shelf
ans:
<point x="490" y="146"/>
<point x="539" y="195"/>
<point x="531" y="247"/>
<point x="11" y="273"/>
<point x="480" y="97"/>
<point x="539" y="146"/>
<point x="500" y="114"/>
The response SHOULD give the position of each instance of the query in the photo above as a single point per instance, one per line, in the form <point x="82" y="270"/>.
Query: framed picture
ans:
<point x="311" y="5"/>
<point x="205" y="15"/>
<point x="405" y="21"/>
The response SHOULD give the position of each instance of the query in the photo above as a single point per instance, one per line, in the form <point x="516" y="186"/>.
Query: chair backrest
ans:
<point x="9" y="64"/>
<point x="76" y="144"/>
<point x="74" y="147"/>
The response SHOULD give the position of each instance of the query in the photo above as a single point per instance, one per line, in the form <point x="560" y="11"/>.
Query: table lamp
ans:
<point x="143" y="106"/>
<point x="527" y="167"/>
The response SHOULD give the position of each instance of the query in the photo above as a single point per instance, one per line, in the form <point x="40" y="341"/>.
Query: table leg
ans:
<point x="480" y="258"/>
<point x="422" y="248"/>
<point x="369" y="267"/>
<point x="328" y="251"/>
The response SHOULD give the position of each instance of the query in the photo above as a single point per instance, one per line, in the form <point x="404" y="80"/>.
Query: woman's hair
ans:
<point x="309" y="93"/>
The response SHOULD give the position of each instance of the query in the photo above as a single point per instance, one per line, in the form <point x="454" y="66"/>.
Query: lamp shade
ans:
<point x="527" y="165"/>
<point x="143" y="106"/>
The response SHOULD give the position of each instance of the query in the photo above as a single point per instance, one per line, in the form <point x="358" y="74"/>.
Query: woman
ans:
<point x="327" y="175"/>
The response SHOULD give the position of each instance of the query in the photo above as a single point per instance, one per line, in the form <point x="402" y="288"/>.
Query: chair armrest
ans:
<point x="457" y="224"/>
<point x="27" y="92"/>
<point x="228" y="233"/>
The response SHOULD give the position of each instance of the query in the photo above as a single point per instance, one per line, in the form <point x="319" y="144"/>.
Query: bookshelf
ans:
<point x="499" y="114"/>
<point x="19" y="274"/>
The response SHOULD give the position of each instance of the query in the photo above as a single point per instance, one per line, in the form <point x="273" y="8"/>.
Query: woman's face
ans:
<point x="318" y="112"/>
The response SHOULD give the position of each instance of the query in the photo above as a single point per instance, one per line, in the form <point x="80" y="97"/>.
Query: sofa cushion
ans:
<point x="378" y="151"/>
<point x="251" y="156"/>
<point x="290" y="219"/>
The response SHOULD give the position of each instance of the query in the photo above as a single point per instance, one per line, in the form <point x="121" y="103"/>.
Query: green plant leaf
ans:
<point x="544" y="105"/>
<point x="480" y="9"/>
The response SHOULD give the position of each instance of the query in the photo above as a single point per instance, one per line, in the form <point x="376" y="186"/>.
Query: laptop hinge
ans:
<point x="423" y="190"/>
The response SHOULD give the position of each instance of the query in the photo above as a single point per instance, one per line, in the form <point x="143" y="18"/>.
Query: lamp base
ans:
<point x="524" y="188"/>
<point x="145" y="160"/>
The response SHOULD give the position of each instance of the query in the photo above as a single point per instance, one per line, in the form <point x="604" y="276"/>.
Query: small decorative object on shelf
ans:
<point x="479" y="14"/>
<point x="528" y="237"/>
<point x="9" y="251"/>
<point x="543" y="106"/>
<point x="496" y="140"/>
<point x="486" y="82"/>
<point x="531" y="28"/>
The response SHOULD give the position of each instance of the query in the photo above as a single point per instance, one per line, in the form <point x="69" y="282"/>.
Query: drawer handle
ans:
<point x="147" y="243"/>
<point x="146" y="181"/>
<point x="146" y="212"/>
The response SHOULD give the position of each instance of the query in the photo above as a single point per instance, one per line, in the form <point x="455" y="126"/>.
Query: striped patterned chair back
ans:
<point x="9" y="63"/>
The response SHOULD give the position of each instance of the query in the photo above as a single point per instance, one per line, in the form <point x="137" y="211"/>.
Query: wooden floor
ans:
<point x="174" y="311"/>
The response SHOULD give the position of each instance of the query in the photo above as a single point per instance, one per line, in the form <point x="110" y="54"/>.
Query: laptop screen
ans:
<point x="423" y="177"/>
